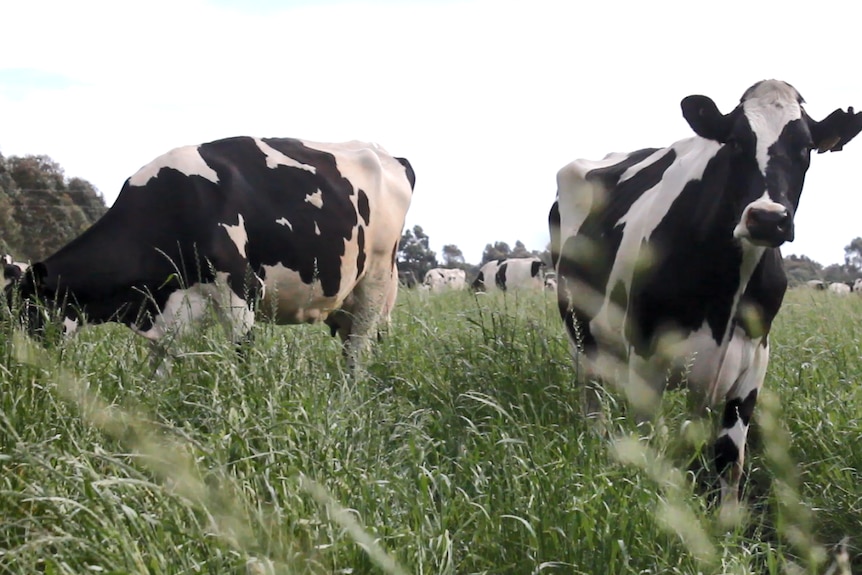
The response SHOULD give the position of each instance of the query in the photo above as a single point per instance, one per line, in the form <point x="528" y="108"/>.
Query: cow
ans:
<point x="12" y="270"/>
<point x="308" y="230"/>
<point x="509" y="274"/>
<point x="668" y="261"/>
<point x="841" y="288"/>
<point x="857" y="286"/>
<point x="444" y="279"/>
<point x="816" y="284"/>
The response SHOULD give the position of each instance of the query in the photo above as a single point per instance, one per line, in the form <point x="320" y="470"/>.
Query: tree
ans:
<point x="853" y="254"/>
<point x="520" y="251"/>
<point x="39" y="210"/>
<point x="498" y="251"/>
<point x="415" y="254"/>
<point x="839" y="273"/>
<point x="800" y="269"/>
<point x="452" y="256"/>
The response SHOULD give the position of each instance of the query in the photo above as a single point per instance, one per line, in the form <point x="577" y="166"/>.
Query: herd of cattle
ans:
<point x="840" y="288"/>
<point x="666" y="260"/>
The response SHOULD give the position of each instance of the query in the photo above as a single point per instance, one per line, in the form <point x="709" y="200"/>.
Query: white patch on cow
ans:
<point x="857" y="286"/>
<point x="283" y="221"/>
<point x="839" y="288"/>
<point x="70" y="326"/>
<point x="316" y="229"/>
<point x="315" y="199"/>
<point x="769" y="107"/>
<point x="763" y="203"/>
<point x="184" y="308"/>
<point x="186" y="160"/>
<point x="237" y="234"/>
<point x="274" y="158"/>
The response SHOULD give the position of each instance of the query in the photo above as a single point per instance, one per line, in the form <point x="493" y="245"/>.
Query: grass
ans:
<point x="461" y="451"/>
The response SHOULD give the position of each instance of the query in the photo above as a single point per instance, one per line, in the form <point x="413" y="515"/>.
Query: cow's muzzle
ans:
<point x="769" y="227"/>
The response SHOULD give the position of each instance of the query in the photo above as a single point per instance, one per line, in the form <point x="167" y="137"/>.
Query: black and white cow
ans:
<point x="312" y="229"/>
<point x="510" y="274"/>
<point x="667" y="259"/>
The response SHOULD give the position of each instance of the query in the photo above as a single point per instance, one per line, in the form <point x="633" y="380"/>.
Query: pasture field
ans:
<point x="463" y="450"/>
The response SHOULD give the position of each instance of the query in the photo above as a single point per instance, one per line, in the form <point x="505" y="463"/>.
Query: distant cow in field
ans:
<point x="510" y="274"/>
<point x="841" y="288"/>
<point x="668" y="262"/>
<point x="309" y="229"/>
<point x="857" y="286"/>
<point x="443" y="279"/>
<point x="816" y="285"/>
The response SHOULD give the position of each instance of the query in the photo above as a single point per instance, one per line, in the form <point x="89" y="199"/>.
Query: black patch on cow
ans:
<point x="736" y="409"/>
<point x="360" y="257"/>
<point x="534" y="268"/>
<point x="362" y="206"/>
<point x="500" y="278"/>
<point x="554" y="228"/>
<point x="411" y="175"/>
<point x="479" y="282"/>
<point x="725" y="453"/>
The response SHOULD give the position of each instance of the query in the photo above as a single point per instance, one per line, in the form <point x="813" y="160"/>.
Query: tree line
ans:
<point x="40" y="209"/>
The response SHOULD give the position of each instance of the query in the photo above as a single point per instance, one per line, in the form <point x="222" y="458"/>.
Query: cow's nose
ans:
<point x="773" y="226"/>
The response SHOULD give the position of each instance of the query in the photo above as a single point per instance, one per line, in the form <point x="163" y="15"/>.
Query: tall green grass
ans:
<point x="461" y="450"/>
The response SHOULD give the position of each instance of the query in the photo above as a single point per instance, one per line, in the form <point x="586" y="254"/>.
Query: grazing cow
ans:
<point x="310" y="228"/>
<point x="816" y="284"/>
<point x="857" y="286"/>
<point x="509" y="274"/>
<point x="841" y="288"/>
<point x="12" y="270"/>
<point x="667" y="259"/>
<point x="444" y="279"/>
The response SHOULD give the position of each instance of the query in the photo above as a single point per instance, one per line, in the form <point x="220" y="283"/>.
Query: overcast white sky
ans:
<point x="487" y="99"/>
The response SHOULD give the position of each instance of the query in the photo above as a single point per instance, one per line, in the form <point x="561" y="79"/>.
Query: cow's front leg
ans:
<point x="729" y="448"/>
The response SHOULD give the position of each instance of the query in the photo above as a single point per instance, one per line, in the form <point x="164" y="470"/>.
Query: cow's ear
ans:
<point x="838" y="128"/>
<point x="705" y="119"/>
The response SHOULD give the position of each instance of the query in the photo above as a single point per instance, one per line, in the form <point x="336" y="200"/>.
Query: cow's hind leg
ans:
<point x="729" y="448"/>
<point x="369" y="302"/>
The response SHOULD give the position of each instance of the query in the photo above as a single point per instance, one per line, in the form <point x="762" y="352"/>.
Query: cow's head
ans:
<point x="38" y="305"/>
<point x="768" y="140"/>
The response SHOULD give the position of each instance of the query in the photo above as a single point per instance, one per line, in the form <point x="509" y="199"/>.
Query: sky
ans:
<point x="488" y="99"/>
